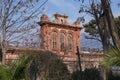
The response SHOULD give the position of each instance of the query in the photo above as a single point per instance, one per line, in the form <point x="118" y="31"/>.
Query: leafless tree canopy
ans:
<point x="18" y="21"/>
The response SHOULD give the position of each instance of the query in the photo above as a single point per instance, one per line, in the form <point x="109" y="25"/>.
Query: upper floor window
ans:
<point x="54" y="40"/>
<point x="62" y="41"/>
<point x="61" y="21"/>
<point x="70" y="41"/>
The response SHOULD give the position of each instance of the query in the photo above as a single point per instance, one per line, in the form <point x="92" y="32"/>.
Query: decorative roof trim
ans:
<point x="61" y="25"/>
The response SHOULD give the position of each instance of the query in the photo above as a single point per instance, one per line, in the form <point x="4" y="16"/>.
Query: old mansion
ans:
<point x="61" y="37"/>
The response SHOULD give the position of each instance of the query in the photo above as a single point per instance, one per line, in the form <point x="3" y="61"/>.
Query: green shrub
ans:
<point x="91" y="74"/>
<point x="48" y="66"/>
<point x="76" y="75"/>
<point x="112" y="76"/>
<point x="0" y="54"/>
<point x="87" y="74"/>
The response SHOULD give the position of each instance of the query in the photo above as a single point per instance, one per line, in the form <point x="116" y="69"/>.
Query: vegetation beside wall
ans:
<point x="87" y="74"/>
<point x="0" y="55"/>
<point x="112" y="76"/>
<point x="47" y="66"/>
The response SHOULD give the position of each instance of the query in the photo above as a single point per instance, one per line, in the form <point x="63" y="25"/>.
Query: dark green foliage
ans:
<point x="112" y="76"/>
<point x="3" y="73"/>
<point x="20" y="69"/>
<point x="91" y="28"/>
<point x="76" y="75"/>
<point x="112" y="58"/>
<point x="15" y="70"/>
<point x="44" y="65"/>
<point x="117" y="22"/>
<point x="87" y="74"/>
<point x="91" y="74"/>
<point x="49" y="67"/>
<point x="0" y="54"/>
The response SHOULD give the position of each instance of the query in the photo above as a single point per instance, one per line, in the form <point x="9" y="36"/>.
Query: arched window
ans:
<point x="54" y="40"/>
<point x="62" y="41"/>
<point x="70" y="40"/>
<point x="61" y="21"/>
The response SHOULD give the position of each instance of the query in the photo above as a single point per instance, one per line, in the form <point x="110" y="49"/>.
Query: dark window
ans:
<point x="54" y="40"/>
<point x="70" y="39"/>
<point x="61" y="21"/>
<point x="62" y="41"/>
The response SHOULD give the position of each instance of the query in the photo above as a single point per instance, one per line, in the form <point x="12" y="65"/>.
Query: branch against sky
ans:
<point x="19" y="17"/>
<point x="98" y="11"/>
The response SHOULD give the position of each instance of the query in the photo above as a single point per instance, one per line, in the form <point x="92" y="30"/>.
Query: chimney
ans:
<point x="76" y="23"/>
<point x="44" y="17"/>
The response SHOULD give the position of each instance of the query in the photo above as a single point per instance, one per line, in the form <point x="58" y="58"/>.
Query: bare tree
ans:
<point x="16" y="18"/>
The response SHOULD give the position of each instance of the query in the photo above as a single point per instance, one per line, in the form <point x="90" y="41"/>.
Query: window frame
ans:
<point x="62" y="41"/>
<point x="54" y="40"/>
<point x="70" y="42"/>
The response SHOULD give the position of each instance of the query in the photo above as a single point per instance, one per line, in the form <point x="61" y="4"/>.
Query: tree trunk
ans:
<point x="112" y="27"/>
<point x="3" y="43"/>
<point x="106" y="35"/>
<point x="3" y="55"/>
<point x="111" y="23"/>
<point x="103" y="29"/>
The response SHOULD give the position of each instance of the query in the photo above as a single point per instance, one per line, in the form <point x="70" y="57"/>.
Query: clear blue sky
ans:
<point x="71" y="8"/>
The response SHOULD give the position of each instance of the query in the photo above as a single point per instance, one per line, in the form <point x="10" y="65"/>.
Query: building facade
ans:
<point x="61" y="38"/>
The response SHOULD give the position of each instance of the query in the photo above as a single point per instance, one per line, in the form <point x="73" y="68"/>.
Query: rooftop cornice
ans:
<point x="61" y="15"/>
<point x="58" y="24"/>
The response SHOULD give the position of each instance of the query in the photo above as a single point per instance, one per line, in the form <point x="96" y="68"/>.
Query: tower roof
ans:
<point x="59" y="15"/>
<point x="60" y="20"/>
<point x="44" y="17"/>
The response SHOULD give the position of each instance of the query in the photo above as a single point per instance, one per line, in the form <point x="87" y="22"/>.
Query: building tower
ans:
<point x="59" y="36"/>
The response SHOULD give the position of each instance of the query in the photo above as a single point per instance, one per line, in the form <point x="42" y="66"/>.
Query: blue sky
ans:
<point x="71" y="8"/>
